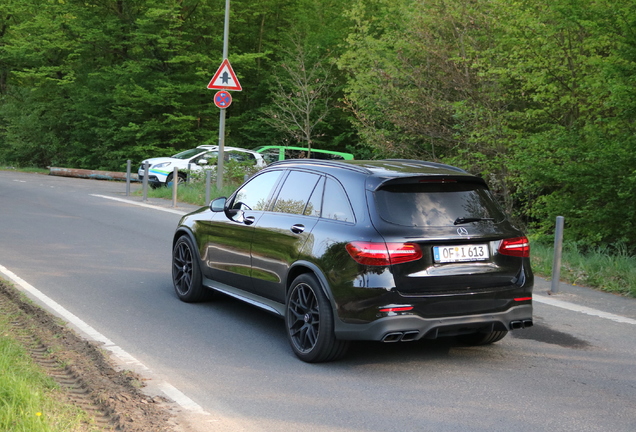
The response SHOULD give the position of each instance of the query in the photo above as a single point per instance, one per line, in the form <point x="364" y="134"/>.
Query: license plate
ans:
<point x="462" y="253"/>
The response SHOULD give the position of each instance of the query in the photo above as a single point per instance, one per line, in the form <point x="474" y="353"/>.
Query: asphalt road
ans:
<point x="108" y="263"/>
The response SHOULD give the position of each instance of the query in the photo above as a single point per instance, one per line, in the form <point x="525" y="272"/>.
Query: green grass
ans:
<point x="191" y="193"/>
<point x="611" y="272"/>
<point x="30" y="401"/>
<point x="25" y="169"/>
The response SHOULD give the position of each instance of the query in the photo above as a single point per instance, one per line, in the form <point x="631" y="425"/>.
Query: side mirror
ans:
<point x="218" y="205"/>
<point x="202" y="162"/>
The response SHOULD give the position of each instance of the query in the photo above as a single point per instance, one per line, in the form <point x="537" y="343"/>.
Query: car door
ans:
<point x="280" y="234"/>
<point x="228" y="235"/>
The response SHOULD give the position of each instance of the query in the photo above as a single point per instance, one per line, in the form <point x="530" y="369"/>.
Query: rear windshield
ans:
<point x="436" y="204"/>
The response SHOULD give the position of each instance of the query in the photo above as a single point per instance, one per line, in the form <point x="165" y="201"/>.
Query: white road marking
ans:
<point x="179" y="212"/>
<point x="582" y="309"/>
<point x="169" y="390"/>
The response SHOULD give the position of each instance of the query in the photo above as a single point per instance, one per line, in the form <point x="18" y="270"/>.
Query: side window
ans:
<point x="271" y="155"/>
<point x="295" y="154"/>
<point x="295" y="193"/>
<point x="255" y="194"/>
<point x="314" y="206"/>
<point x="336" y="203"/>
<point x="210" y="156"/>
<point x="241" y="156"/>
<point x="327" y="156"/>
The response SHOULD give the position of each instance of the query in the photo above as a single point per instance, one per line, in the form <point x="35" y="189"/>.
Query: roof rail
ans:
<point x="429" y="164"/>
<point x="354" y="165"/>
<point x="323" y="162"/>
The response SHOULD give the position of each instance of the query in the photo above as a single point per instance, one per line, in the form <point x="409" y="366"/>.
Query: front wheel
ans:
<point x="310" y="324"/>
<point x="186" y="273"/>
<point x="181" y="179"/>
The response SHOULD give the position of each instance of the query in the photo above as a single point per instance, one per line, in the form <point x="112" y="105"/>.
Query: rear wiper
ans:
<point x="462" y="220"/>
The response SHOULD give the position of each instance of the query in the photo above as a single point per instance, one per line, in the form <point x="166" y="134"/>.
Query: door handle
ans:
<point x="298" y="228"/>
<point x="249" y="220"/>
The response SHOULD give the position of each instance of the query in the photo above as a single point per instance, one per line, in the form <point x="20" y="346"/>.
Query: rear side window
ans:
<point x="436" y="204"/>
<point x="336" y="203"/>
<point x="240" y="156"/>
<point x="295" y="193"/>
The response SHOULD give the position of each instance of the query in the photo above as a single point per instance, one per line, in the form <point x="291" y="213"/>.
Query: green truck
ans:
<point x="276" y="153"/>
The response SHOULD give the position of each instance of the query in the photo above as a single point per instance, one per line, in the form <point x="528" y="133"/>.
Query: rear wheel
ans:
<point x="483" y="338"/>
<point x="186" y="273"/>
<point x="309" y="322"/>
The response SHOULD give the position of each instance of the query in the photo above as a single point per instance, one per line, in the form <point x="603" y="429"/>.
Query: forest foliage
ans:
<point x="536" y="96"/>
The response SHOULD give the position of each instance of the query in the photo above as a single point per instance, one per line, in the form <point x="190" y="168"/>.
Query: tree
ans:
<point x="302" y="98"/>
<point x="567" y="71"/>
<point x="417" y="86"/>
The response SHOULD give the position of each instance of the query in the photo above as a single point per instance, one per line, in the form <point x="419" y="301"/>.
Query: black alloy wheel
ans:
<point x="186" y="274"/>
<point x="309" y="322"/>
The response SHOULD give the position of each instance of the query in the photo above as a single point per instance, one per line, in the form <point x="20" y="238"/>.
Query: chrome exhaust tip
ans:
<point x="515" y="325"/>
<point x="392" y="337"/>
<point x="410" y="336"/>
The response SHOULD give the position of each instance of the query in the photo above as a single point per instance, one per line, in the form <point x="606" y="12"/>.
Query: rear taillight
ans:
<point x="518" y="247"/>
<point x="383" y="254"/>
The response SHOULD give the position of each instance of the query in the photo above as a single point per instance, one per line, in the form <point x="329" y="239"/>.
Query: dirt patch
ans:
<point x="113" y="398"/>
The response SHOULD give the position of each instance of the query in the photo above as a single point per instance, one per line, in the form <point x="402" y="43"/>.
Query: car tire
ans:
<point x="483" y="338"/>
<point x="182" y="179"/>
<point x="186" y="273"/>
<point x="310" y="324"/>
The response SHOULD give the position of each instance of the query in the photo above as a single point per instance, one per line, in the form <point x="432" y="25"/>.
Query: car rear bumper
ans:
<point x="408" y="327"/>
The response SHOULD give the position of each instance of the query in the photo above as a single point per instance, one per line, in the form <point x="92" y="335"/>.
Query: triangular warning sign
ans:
<point x="225" y="79"/>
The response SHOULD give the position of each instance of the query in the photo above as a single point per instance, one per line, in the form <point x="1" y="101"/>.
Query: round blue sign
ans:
<point x="222" y="99"/>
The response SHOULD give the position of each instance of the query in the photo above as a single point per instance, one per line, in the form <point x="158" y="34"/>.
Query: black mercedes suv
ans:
<point x="388" y="250"/>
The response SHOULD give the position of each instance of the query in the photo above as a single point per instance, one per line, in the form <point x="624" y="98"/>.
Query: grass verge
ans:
<point x="25" y="169"/>
<point x="611" y="272"/>
<point x="30" y="401"/>
<point x="191" y="193"/>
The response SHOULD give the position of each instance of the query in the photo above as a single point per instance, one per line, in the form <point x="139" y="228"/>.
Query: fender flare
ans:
<point x="324" y="284"/>
<point x="180" y="232"/>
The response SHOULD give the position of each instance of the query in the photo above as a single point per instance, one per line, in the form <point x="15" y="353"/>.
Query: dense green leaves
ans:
<point x="537" y="96"/>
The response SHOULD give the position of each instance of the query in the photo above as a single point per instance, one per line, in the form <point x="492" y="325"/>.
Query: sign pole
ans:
<point x="219" y="167"/>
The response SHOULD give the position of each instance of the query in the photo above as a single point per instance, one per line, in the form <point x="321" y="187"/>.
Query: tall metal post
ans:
<point x="558" y="249"/>
<point x="128" y="167"/>
<point x="219" y="166"/>
<point x="175" y="186"/>
<point x="208" y="176"/>
<point x="144" y="196"/>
